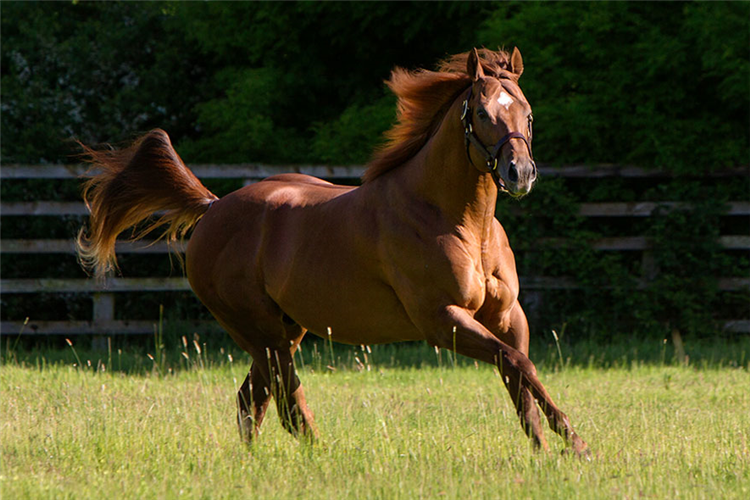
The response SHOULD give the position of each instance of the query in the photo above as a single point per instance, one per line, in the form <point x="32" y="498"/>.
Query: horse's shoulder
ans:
<point x="501" y="262"/>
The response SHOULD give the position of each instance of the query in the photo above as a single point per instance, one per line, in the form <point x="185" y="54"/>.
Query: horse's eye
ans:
<point x="482" y="114"/>
<point x="531" y="129"/>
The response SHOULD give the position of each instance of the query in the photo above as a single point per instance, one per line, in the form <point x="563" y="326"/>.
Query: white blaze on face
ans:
<point x="505" y="100"/>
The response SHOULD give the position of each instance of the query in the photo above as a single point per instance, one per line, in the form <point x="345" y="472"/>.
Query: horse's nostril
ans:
<point x="512" y="172"/>
<point x="533" y="171"/>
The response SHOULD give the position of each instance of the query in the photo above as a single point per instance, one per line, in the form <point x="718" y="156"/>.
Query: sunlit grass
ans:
<point x="390" y="429"/>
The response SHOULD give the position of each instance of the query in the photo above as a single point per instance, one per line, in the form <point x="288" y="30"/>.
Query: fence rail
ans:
<point x="615" y="209"/>
<point x="69" y="246"/>
<point x="103" y="292"/>
<point x="260" y="171"/>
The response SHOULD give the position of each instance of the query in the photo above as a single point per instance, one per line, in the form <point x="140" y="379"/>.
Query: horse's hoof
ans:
<point x="247" y="435"/>
<point x="579" y="450"/>
<point x="540" y="446"/>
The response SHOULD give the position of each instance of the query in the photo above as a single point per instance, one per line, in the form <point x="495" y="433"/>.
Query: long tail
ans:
<point x="126" y="187"/>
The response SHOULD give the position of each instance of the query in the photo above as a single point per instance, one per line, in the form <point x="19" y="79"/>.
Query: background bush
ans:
<point x="662" y="84"/>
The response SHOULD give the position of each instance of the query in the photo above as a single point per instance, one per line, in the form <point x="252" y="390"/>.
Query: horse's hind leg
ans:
<point x="252" y="403"/>
<point x="291" y="405"/>
<point x="271" y="340"/>
<point x="273" y="375"/>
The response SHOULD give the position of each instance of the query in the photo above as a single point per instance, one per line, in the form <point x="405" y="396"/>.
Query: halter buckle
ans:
<point x="464" y="109"/>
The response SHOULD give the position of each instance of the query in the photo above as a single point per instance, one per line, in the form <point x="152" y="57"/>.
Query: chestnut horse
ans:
<point x="414" y="253"/>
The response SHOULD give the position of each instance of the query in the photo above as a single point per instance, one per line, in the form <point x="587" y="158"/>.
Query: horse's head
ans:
<point x="497" y="123"/>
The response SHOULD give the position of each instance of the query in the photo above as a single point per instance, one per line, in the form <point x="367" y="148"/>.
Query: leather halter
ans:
<point x="490" y="156"/>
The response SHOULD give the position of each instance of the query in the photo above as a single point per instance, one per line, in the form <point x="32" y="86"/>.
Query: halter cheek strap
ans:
<point x="491" y="157"/>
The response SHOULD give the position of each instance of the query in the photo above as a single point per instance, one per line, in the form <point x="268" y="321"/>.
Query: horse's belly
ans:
<point x="384" y="332"/>
<point x="365" y="313"/>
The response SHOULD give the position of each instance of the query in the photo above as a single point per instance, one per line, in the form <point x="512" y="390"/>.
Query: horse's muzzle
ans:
<point x="518" y="178"/>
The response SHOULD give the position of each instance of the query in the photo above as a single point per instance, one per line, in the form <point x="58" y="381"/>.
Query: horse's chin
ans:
<point x="515" y="194"/>
<point x="501" y="187"/>
<point x="518" y="195"/>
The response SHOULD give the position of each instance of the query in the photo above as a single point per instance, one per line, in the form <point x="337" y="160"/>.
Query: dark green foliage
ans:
<point x="673" y="284"/>
<point x="302" y="82"/>
<point x="229" y="81"/>
<point x="662" y="84"/>
<point x="93" y="71"/>
<point x="654" y="84"/>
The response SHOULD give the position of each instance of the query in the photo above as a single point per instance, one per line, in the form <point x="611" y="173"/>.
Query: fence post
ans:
<point x="104" y="307"/>
<point x="104" y="313"/>
<point x="649" y="267"/>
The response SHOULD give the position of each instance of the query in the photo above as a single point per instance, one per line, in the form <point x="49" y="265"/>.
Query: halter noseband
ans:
<point x="490" y="156"/>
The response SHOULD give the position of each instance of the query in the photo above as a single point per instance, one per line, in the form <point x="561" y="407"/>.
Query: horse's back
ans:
<point x="292" y="190"/>
<point x="233" y="230"/>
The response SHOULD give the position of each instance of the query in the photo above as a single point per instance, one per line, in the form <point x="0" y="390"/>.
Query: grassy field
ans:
<point x="395" y="423"/>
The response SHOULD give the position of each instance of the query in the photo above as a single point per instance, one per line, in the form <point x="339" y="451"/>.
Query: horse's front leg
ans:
<point x="470" y="338"/>
<point x="513" y="329"/>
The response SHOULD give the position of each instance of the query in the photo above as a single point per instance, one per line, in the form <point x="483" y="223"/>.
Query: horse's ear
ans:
<point x="473" y="66"/>
<point x="516" y="62"/>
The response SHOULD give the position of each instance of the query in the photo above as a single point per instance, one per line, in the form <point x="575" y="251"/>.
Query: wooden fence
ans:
<point x="103" y="294"/>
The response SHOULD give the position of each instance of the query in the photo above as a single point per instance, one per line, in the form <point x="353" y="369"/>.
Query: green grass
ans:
<point x="402" y="423"/>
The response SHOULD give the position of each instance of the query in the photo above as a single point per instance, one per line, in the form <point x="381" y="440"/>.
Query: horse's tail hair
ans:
<point x="126" y="187"/>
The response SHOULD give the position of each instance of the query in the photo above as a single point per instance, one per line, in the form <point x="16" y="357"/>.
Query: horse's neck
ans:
<point x="442" y="175"/>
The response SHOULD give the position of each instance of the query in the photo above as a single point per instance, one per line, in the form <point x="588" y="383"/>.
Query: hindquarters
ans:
<point x="224" y="266"/>
<point x="245" y="245"/>
<point x="221" y="263"/>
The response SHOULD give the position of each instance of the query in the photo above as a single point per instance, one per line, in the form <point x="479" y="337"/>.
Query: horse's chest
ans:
<point x="463" y="273"/>
<point x="469" y="283"/>
<point x="500" y="295"/>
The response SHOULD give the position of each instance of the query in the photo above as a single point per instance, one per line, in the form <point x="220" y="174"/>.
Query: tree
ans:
<point x="97" y="72"/>
<point x="662" y="85"/>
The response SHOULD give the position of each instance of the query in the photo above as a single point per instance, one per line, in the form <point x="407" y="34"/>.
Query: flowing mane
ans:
<point x="423" y="99"/>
